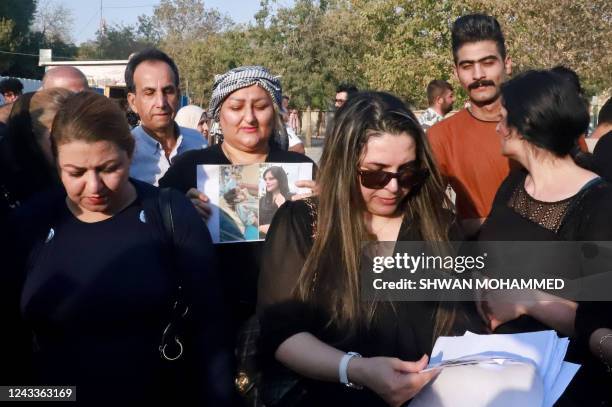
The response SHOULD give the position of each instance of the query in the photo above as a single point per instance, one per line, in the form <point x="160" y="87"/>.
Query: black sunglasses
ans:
<point x="407" y="178"/>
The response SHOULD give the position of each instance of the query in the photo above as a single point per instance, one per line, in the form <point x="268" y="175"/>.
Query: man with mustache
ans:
<point x="152" y="81"/>
<point x="466" y="146"/>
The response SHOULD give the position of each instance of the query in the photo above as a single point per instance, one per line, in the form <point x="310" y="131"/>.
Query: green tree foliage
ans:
<point x="15" y="19"/>
<point x="53" y="20"/>
<point x="408" y="45"/>
<point x="400" y="45"/>
<point x="147" y="30"/>
<point x="21" y="13"/>
<point x="202" y="41"/>
<point x="186" y="20"/>
<point x="314" y="49"/>
<point x="543" y="34"/>
<point x="27" y="26"/>
<point x="393" y="45"/>
<point x="116" y="42"/>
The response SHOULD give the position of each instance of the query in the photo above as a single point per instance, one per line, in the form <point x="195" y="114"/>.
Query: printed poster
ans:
<point x="244" y="198"/>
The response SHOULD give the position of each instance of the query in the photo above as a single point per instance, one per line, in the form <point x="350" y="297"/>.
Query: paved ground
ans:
<point x="314" y="152"/>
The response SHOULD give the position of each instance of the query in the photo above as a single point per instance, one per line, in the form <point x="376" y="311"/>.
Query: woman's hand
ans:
<point x="200" y="203"/>
<point x="600" y="343"/>
<point x="314" y="187"/>
<point x="499" y="307"/>
<point x="394" y="380"/>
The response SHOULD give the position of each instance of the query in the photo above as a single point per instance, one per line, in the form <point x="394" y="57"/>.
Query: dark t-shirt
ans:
<point x="238" y="262"/>
<point x="97" y="297"/>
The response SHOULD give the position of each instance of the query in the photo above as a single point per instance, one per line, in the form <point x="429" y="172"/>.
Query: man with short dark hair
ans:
<point x="343" y="92"/>
<point x="466" y="145"/>
<point x="440" y="97"/>
<point x="66" y="77"/>
<point x="11" y="89"/>
<point x="152" y="81"/>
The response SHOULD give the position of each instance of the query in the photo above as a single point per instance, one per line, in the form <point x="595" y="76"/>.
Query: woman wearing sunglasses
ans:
<point x="378" y="183"/>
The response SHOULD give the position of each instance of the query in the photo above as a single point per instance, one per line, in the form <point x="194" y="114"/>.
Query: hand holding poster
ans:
<point x="244" y="198"/>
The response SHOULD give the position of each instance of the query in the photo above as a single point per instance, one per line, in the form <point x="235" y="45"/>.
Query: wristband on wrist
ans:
<point x="601" y="353"/>
<point x="343" y="370"/>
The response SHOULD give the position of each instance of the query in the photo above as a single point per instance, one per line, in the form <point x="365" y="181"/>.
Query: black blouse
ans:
<point x="238" y="262"/>
<point x="267" y="209"/>
<point x="587" y="217"/>
<point x="402" y="329"/>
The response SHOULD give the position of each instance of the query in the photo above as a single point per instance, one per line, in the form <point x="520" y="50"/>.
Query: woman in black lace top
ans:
<point x="379" y="183"/>
<point x="552" y="199"/>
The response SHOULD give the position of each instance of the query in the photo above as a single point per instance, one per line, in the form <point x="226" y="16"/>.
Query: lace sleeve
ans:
<point x="287" y="245"/>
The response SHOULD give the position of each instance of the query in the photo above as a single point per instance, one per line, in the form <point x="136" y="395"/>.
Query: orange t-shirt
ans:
<point x="583" y="144"/>
<point x="468" y="154"/>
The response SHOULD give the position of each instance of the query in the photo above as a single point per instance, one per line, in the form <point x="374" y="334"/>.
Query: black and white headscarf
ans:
<point x="243" y="77"/>
<point x="239" y="78"/>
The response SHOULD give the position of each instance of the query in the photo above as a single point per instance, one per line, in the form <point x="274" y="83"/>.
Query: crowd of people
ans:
<point x="111" y="282"/>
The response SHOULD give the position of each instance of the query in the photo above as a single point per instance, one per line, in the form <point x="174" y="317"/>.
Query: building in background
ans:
<point x="104" y="76"/>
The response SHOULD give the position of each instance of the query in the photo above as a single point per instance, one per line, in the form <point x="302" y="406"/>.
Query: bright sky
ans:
<point x="87" y="12"/>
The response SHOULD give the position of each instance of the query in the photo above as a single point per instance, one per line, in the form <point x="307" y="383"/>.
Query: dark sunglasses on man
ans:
<point x="408" y="177"/>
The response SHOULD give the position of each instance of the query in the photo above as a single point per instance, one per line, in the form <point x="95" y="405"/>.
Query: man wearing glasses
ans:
<point x="343" y="92"/>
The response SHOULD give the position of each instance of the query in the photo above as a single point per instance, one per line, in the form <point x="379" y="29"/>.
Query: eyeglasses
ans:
<point x="407" y="178"/>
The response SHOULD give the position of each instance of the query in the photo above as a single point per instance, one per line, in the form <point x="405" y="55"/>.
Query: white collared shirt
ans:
<point x="149" y="163"/>
<point x="294" y="139"/>
<point x="429" y="118"/>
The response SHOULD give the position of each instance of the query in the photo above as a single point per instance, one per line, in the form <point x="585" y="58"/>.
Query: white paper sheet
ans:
<point x="564" y="378"/>
<point x="544" y="350"/>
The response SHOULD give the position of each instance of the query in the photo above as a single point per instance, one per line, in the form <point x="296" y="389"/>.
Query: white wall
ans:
<point x="29" y="85"/>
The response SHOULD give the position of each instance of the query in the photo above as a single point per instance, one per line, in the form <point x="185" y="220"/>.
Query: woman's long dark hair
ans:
<point x="283" y="184"/>
<point x="330" y="276"/>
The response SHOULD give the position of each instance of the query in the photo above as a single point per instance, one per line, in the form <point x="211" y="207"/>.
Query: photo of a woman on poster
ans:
<point x="277" y="192"/>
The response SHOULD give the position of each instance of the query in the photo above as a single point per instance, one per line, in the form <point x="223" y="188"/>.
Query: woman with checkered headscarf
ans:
<point x="241" y="80"/>
<point x="245" y="106"/>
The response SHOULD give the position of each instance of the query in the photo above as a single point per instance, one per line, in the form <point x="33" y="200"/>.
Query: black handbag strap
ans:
<point x="167" y="218"/>
<point x="172" y="334"/>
